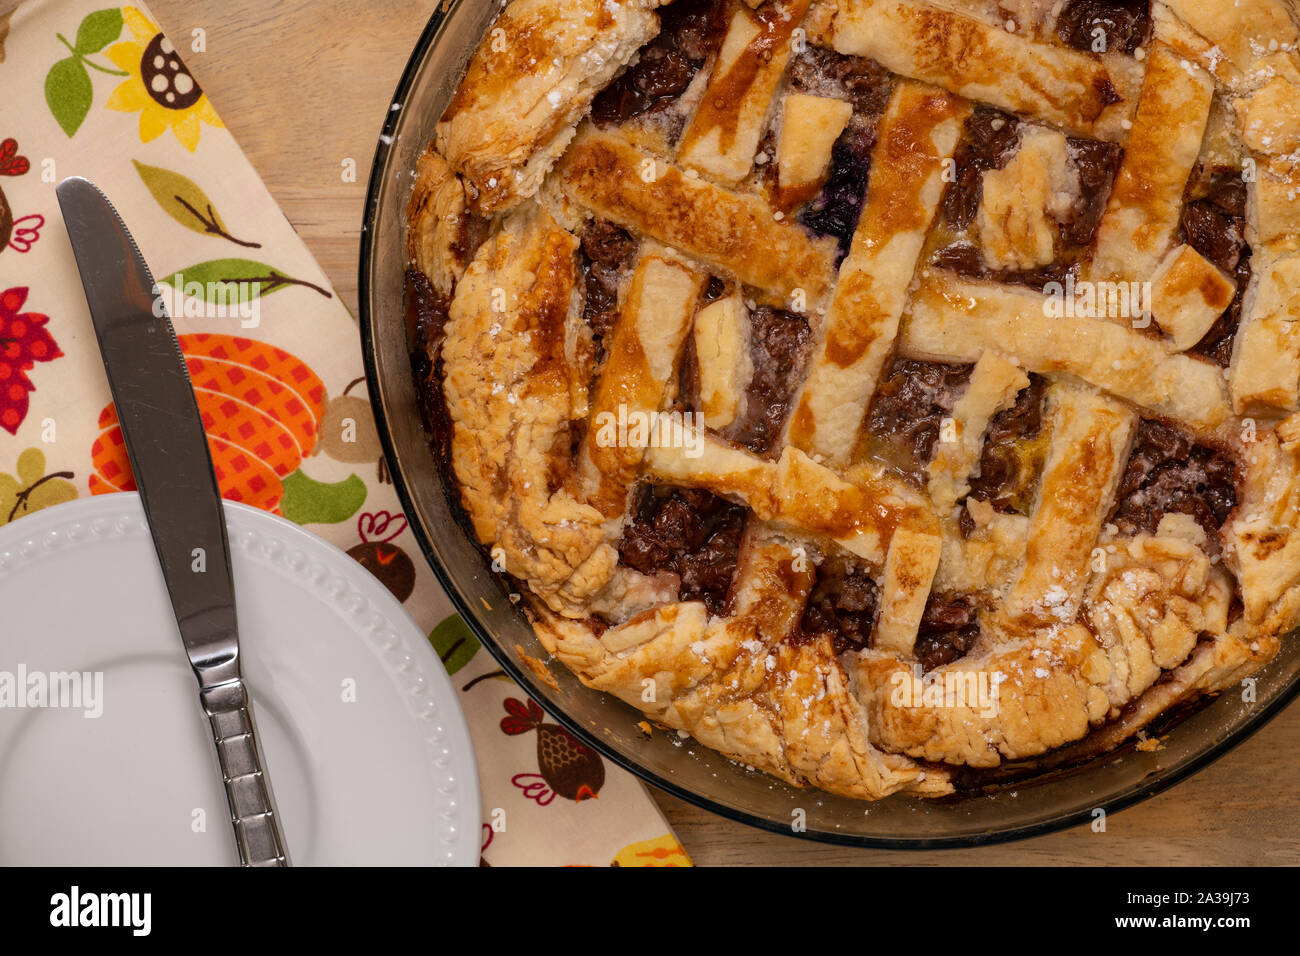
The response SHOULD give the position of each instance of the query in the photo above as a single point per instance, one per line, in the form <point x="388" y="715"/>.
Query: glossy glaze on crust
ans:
<point x="979" y="61"/>
<point x="831" y="228"/>
<point x="728" y="230"/>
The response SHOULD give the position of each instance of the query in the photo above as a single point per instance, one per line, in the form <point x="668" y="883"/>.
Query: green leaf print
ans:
<point x="308" y="501"/>
<point x="183" y="200"/>
<point x="235" y="280"/>
<point x="455" y="643"/>
<point x="68" y="93"/>
<point x="98" y="30"/>
<point x="33" y="489"/>
<point x="68" y="90"/>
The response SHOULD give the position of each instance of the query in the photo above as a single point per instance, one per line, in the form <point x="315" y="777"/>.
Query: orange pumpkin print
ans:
<point x="261" y="409"/>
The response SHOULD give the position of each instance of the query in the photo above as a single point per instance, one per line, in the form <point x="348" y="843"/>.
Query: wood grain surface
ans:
<point x="304" y="85"/>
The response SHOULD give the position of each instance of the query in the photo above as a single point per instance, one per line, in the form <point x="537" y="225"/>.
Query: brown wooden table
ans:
<point x="304" y="85"/>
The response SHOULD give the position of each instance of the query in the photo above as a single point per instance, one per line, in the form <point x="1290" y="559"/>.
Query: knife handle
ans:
<point x="257" y="830"/>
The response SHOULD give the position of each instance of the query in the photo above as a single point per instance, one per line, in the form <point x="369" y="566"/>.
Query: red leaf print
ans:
<point x="11" y="164"/>
<point x="513" y="726"/>
<point x="522" y="719"/>
<point x="23" y="343"/>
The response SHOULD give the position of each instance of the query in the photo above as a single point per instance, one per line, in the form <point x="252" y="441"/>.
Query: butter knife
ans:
<point x="169" y="455"/>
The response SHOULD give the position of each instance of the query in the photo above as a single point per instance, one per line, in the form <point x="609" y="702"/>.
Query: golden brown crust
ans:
<point x="1024" y="201"/>
<point x="435" y="239"/>
<point x="738" y="686"/>
<point x="1188" y="294"/>
<point x="1081" y="632"/>
<point x="918" y="135"/>
<point x="1235" y="40"/>
<point x="994" y="384"/>
<point x="528" y="84"/>
<point x="810" y="125"/>
<point x="732" y="231"/>
<point x="653" y="323"/>
<point x="511" y="394"/>
<point x="1090" y="442"/>
<point x="979" y="61"/>
<point x="1144" y="612"/>
<point x="957" y="320"/>
<point x="1145" y="203"/>
<point x="797" y="493"/>
<point x="1265" y="371"/>
<point x="722" y="137"/>
<point x="722" y="336"/>
<point x="1262" y="543"/>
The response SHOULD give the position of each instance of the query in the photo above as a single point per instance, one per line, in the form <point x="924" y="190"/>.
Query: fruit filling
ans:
<point x="690" y="32"/>
<point x="1168" y="473"/>
<point x="1014" y="451"/>
<point x="989" y="141"/>
<point x="907" y="414"/>
<point x="842" y="604"/>
<point x="608" y="253"/>
<point x="868" y="86"/>
<point x="1100" y="26"/>
<point x="949" y="628"/>
<point x="1214" y="224"/>
<point x="688" y="532"/>
<point x="779" y="351"/>
<point x="991" y="138"/>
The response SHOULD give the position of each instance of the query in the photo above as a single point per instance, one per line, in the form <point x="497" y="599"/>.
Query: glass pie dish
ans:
<point x="1012" y="803"/>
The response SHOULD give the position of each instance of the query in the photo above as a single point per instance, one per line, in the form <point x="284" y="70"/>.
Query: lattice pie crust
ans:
<point x="866" y="265"/>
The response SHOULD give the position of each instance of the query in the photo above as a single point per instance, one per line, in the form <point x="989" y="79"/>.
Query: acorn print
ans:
<point x="378" y="555"/>
<point x="568" y="768"/>
<point x="348" y="431"/>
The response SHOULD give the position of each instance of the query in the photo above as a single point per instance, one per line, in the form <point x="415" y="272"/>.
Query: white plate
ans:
<point x="386" y="777"/>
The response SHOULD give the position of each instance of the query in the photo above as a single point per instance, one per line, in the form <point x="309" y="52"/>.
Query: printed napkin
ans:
<point x="275" y="358"/>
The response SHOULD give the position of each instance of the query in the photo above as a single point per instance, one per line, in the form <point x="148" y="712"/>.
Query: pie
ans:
<point x="877" y="391"/>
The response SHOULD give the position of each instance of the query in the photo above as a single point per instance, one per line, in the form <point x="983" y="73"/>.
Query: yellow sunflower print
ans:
<point x="159" y="86"/>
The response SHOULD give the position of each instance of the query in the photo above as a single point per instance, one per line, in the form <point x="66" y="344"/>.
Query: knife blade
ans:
<point x="168" y="450"/>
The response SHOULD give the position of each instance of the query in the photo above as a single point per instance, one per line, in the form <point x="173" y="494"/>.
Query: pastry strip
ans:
<point x="1188" y="294"/>
<point x="722" y="339"/>
<point x="734" y="232"/>
<point x="1091" y="439"/>
<point x="980" y="62"/>
<point x="918" y="134"/>
<point x="957" y="320"/>
<point x="994" y="385"/>
<point x="909" y="571"/>
<point x="1264" y="377"/>
<point x="1142" y="216"/>
<point x="528" y="85"/>
<point x="512" y="394"/>
<point x="810" y="125"/>
<point x="652" y="324"/>
<point x="799" y="495"/>
<point x="723" y="135"/>
<point x="1235" y="34"/>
